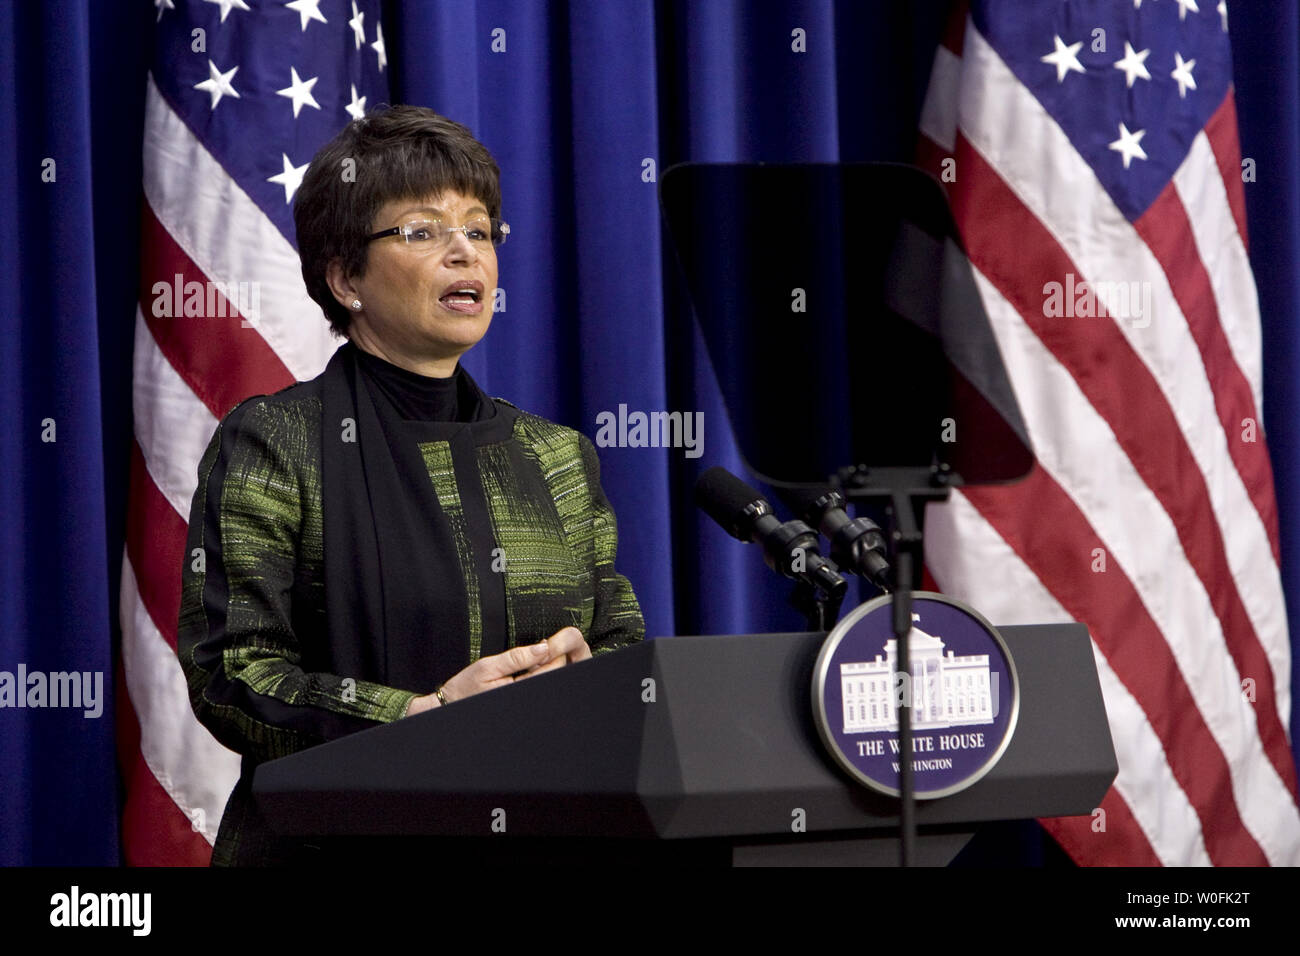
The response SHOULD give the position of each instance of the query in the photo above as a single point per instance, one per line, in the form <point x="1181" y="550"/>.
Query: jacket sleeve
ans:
<point x="243" y="553"/>
<point x="617" y="620"/>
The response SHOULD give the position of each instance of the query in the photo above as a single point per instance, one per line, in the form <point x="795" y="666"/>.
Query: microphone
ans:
<point x="857" y="544"/>
<point x="790" y="548"/>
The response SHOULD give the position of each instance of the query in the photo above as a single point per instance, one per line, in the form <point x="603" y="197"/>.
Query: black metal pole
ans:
<point x="905" y="490"/>
<point x="907" y="538"/>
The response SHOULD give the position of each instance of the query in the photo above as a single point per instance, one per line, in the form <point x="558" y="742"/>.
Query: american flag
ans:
<point x="1090" y="153"/>
<point x="241" y="95"/>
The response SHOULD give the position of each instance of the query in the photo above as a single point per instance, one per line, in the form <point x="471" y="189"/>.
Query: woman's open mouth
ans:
<point x="464" y="297"/>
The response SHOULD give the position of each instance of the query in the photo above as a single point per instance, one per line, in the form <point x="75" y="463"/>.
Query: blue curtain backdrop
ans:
<point x="588" y="102"/>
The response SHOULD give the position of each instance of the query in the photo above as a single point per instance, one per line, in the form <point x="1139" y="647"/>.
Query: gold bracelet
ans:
<point x="441" y="698"/>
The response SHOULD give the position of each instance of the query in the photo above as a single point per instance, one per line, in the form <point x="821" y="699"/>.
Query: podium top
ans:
<point x="674" y="738"/>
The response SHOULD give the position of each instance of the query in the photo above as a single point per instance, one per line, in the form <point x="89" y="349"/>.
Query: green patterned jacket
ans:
<point x="242" y="643"/>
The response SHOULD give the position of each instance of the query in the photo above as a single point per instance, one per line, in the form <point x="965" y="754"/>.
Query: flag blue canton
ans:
<point x="296" y="68"/>
<point x="1095" y="47"/>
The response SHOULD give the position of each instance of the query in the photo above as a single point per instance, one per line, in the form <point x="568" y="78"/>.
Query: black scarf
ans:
<point x="395" y="596"/>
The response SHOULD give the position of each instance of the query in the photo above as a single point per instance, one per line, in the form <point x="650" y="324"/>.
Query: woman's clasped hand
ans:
<point x="565" y="646"/>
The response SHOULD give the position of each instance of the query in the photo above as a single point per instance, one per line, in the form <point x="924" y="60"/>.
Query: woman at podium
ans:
<point x="386" y="538"/>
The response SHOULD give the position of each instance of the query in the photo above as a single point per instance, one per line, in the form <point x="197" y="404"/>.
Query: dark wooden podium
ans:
<point x="720" y="768"/>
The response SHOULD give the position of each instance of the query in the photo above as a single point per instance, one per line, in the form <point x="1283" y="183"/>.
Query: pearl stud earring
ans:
<point x="356" y="305"/>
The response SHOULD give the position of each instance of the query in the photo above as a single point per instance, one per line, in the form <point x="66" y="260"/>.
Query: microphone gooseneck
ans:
<point x="789" y="548"/>
<point x="857" y="544"/>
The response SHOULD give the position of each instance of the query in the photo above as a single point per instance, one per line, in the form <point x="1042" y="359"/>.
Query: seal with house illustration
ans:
<point x="962" y="686"/>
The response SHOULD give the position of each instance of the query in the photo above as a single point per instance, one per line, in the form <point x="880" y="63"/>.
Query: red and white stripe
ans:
<point x="196" y="222"/>
<point x="1140" y="459"/>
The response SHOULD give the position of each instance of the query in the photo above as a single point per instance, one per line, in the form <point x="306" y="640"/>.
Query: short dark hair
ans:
<point x="397" y="152"/>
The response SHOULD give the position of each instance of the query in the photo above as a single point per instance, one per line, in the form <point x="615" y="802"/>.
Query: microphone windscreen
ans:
<point x="724" y="497"/>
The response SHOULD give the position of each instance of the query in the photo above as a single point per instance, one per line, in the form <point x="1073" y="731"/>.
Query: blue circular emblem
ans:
<point x="962" y="683"/>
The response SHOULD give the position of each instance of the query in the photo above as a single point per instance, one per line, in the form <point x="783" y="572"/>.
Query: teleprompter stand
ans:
<point x="905" y="490"/>
<point x="851" y="348"/>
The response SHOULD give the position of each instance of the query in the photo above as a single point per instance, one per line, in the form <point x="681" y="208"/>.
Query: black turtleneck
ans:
<point x="422" y="397"/>
<point x="418" y="416"/>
